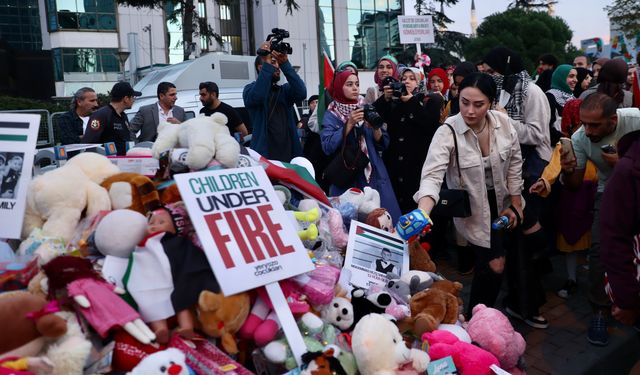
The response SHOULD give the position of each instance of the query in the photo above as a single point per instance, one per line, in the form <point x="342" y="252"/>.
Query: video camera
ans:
<point x="276" y="37"/>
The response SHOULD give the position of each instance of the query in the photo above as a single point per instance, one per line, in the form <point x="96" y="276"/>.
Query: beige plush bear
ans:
<point x="206" y="137"/>
<point x="56" y="200"/>
<point x="379" y="348"/>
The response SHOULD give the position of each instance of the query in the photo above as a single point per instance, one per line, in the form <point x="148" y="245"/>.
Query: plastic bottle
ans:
<point x="500" y="223"/>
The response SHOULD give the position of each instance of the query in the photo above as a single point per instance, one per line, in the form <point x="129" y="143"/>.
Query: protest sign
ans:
<point x="371" y="253"/>
<point x="416" y="29"/>
<point x="18" y="136"/>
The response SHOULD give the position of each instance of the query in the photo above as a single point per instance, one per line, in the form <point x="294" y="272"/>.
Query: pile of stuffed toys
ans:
<point x="117" y="280"/>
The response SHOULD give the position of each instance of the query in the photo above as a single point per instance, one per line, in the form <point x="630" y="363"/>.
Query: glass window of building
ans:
<point x="81" y="15"/>
<point x="175" y="40"/>
<point x="327" y="38"/>
<point x="373" y="30"/>
<point x="230" y="28"/>
<point x="20" y="24"/>
<point x="84" y="60"/>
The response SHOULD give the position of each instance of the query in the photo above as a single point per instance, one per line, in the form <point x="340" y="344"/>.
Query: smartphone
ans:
<point x="608" y="149"/>
<point x="567" y="148"/>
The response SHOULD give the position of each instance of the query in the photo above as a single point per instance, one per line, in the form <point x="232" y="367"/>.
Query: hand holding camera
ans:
<point x="355" y="117"/>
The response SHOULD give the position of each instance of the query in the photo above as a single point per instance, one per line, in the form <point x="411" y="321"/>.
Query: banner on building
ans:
<point x="247" y="237"/>
<point x="416" y="29"/>
<point x="18" y="136"/>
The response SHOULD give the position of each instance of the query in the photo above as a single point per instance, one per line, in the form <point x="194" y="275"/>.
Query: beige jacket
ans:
<point x="506" y="166"/>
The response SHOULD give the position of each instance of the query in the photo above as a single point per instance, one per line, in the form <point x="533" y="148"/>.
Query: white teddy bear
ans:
<point x="57" y="199"/>
<point x="380" y="349"/>
<point x="206" y="137"/>
<point x="169" y="361"/>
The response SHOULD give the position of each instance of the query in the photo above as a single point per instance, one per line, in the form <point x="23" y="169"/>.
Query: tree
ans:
<point x="626" y="14"/>
<point x="428" y="7"/>
<point x="186" y="15"/>
<point x="531" y="4"/>
<point x="530" y="33"/>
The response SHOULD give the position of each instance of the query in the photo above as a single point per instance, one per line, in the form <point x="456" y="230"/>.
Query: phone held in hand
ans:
<point x="567" y="148"/>
<point x="608" y="149"/>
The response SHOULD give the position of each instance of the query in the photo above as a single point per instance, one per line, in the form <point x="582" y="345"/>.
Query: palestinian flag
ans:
<point x="291" y="175"/>
<point x="8" y="131"/>
<point x="326" y="78"/>
<point x="364" y="234"/>
<point x="327" y="70"/>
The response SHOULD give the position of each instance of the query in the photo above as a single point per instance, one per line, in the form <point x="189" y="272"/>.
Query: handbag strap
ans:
<point x="455" y="149"/>
<point x="344" y="144"/>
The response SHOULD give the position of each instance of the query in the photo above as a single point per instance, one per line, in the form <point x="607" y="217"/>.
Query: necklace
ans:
<point x="481" y="130"/>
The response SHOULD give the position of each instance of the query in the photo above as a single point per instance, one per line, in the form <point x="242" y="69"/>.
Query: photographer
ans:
<point x="275" y="135"/>
<point x="345" y="117"/>
<point x="412" y="119"/>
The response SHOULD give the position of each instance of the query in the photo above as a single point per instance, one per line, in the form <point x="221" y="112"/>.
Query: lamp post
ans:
<point x="148" y="28"/>
<point x="122" y="58"/>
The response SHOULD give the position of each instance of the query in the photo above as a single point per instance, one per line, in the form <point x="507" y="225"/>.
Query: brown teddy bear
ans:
<point x="222" y="317"/>
<point x="433" y="306"/>
<point x="419" y="258"/>
<point x="28" y="321"/>
<point x="133" y="191"/>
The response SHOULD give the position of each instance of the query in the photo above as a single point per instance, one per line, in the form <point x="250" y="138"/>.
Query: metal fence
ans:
<point x="45" y="133"/>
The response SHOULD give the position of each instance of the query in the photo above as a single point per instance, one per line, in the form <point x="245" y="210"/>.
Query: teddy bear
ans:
<point x="492" y="331"/>
<point x="132" y="191"/>
<point x="221" y="316"/>
<point x="468" y="358"/>
<point x="170" y="361"/>
<point x="207" y="137"/>
<point x="338" y="312"/>
<point x="380" y="349"/>
<point x="419" y="258"/>
<point x="430" y="307"/>
<point x="45" y="339"/>
<point x="58" y="199"/>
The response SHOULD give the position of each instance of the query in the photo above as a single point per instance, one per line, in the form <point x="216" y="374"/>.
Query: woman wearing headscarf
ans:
<point x="387" y="67"/>
<point x="563" y="82"/>
<point x="438" y="82"/>
<point x="584" y="81"/>
<point x="611" y="80"/>
<point x="345" y="116"/>
<point x="529" y="113"/>
<point x="411" y="119"/>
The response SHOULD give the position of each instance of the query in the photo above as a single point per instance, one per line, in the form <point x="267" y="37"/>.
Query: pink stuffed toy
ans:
<point x="332" y="223"/>
<point x="468" y="358"/>
<point x="492" y="331"/>
<point x="319" y="284"/>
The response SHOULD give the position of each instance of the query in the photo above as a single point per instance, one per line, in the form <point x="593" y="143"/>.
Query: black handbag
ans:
<point x="453" y="202"/>
<point x="346" y="164"/>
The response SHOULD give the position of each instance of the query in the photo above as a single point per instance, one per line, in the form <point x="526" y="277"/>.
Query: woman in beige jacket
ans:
<point x="491" y="171"/>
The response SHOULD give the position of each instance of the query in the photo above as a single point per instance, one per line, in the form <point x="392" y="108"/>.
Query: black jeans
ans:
<point x="486" y="283"/>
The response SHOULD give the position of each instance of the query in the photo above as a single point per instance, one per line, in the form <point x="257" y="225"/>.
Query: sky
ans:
<point x="586" y="18"/>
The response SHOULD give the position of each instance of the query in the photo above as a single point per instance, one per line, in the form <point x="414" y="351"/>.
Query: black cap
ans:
<point x="312" y="98"/>
<point x="122" y="89"/>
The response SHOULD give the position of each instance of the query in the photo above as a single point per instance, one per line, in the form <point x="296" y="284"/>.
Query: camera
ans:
<point x="276" y="37"/>
<point x="372" y="117"/>
<point x="399" y="89"/>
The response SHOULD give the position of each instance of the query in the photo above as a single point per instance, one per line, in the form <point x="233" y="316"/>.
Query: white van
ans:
<point x="230" y="72"/>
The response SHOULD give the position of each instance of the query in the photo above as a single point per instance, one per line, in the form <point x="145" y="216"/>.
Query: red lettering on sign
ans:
<point x="220" y="239"/>
<point x="237" y="234"/>
<point x="254" y="230"/>
<point x="274" y="229"/>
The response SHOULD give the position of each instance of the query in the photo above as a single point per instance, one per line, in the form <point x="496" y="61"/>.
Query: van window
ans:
<point x="188" y="115"/>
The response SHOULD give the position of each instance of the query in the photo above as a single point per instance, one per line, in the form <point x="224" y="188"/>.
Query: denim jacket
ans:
<point x="506" y="166"/>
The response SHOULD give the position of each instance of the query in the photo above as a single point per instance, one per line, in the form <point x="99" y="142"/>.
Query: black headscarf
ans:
<point x="582" y="75"/>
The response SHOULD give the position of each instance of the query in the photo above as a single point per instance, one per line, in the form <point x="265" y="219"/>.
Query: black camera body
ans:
<point x="276" y="37"/>
<point x="399" y="89"/>
<point x="372" y="116"/>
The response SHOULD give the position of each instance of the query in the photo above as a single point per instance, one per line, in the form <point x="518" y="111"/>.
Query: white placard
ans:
<point x="371" y="253"/>
<point x="144" y="165"/>
<point x="18" y="136"/>
<point x="244" y="230"/>
<point x="416" y="29"/>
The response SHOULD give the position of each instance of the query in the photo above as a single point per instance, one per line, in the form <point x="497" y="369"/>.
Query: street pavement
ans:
<point x="563" y="347"/>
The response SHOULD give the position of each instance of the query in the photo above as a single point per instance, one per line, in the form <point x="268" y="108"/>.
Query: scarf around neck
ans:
<point x="561" y="97"/>
<point x="342" y="110"/>
<point x="517" y="85"/>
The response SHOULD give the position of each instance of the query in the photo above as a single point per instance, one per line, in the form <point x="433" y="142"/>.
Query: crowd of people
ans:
<point x="551" y="148"/>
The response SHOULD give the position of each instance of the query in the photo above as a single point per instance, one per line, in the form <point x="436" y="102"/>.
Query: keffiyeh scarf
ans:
<point x="517" y="85"/>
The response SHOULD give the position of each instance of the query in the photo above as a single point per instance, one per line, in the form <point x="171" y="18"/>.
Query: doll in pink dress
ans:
<point x="97" y="299"/>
